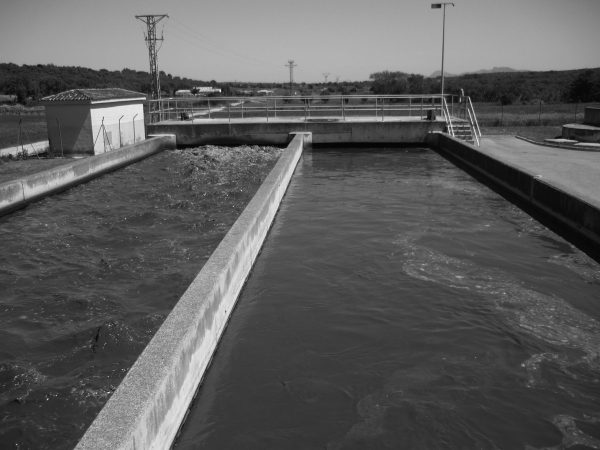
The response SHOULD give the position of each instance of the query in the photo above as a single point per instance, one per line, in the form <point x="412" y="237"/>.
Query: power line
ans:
<point x="215" y="47"/>
<point x="291" y="65"/>
<point x="151" y="20"/>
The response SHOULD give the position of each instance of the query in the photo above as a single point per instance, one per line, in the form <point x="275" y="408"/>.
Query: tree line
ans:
<point x="32" y="82"/>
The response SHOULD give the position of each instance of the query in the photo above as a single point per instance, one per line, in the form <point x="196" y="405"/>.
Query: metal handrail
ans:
<point x="447" y="117"/>
<point x="473" y="119"/>
<point x="473" y="130"/>
<point x="337" y="106"/>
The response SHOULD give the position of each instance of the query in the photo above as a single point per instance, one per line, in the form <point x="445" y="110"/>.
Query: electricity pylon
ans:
<point x="291" y="65"/>
<point x="151" y="20"/>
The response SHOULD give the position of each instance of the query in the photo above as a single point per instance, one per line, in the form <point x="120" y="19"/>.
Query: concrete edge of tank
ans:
<point x="21" y="191"/>
<point x="148" y="407"/>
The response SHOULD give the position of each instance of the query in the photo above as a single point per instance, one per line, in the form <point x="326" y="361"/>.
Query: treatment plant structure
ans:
<point x="148" y="407"/>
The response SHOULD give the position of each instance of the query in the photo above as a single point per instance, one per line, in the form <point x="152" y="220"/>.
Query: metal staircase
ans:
<point x="466" y="128"/>
<point x="463" y="131"/>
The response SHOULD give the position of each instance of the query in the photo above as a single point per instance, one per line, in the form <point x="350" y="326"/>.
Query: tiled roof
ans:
<point x="93" y="95"/>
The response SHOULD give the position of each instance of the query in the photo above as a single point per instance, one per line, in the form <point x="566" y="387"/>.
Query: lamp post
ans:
<point x="438" y="6"/>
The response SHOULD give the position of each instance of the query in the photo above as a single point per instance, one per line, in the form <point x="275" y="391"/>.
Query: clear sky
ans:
<point x="252" y="40"/>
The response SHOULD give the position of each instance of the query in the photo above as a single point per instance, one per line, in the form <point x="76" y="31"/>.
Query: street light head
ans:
<point x="436" y="5"/>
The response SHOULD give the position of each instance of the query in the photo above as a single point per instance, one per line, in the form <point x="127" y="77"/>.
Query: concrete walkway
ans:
<point x="575" y="172"/>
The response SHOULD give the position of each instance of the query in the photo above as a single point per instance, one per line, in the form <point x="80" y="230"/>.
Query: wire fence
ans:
<point x="21" y="130"/>
<point x="534" y="114"/>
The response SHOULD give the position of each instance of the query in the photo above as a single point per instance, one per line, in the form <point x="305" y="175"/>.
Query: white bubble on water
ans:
<point x="573" y="435"/>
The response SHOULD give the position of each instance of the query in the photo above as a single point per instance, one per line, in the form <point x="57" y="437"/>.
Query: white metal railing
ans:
<point x="334" y="107"/>
<point x="447" y="118"/>
<point x="475" y="130"/>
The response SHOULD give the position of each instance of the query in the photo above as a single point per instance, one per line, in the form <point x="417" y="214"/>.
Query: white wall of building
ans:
<point x="113" y="136"/>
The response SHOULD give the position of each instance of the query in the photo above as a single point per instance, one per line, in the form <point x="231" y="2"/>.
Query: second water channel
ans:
<point x="397" y="303"/>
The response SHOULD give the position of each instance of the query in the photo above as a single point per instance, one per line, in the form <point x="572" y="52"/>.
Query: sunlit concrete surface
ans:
<point x="560" y="187"/>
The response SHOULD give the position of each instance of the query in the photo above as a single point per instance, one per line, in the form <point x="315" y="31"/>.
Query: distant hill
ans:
<point x="437" y="73"/>
<point x="495" y="70"/>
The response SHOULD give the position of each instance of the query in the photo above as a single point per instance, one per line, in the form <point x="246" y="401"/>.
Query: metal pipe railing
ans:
<point x="473" y="118"/>
<point x="447" y="117"/>
<point x="340" y="107"/>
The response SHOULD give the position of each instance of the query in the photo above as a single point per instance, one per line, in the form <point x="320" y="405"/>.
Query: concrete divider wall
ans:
<point x="574" y="217"/>
<point x="146" y="410"/>
<point x="276" y="132"/>
<point x="19" y="192"/>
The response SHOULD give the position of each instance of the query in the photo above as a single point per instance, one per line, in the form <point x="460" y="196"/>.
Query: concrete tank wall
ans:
<point x="276" y="132"/>
<point x="565" y="213"/>
<point x="19" y="192"/>
<point x="147" y="408"/>
<point x="581" y="132"/>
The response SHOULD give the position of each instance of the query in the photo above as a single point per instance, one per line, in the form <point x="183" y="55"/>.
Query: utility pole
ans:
<point x="151" y="20"/>
<point x="291" y="65"/>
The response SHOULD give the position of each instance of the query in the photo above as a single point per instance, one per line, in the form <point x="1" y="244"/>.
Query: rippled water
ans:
<point x="87" y="276"/>
<point x="397" y="303"/>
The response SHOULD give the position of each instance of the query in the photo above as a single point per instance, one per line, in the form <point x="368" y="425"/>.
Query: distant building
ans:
<point x="265" y="92"/>
<point x="183" y="93"/>
<point x="206" y="90"/>
<point x="93" y="121"/>
<point x="7" y="98"/>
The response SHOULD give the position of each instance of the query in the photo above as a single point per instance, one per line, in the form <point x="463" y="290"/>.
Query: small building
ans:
<point x="7" y="98"/>
<point x="206" y="90"/>
<point x="94" y="121"/>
